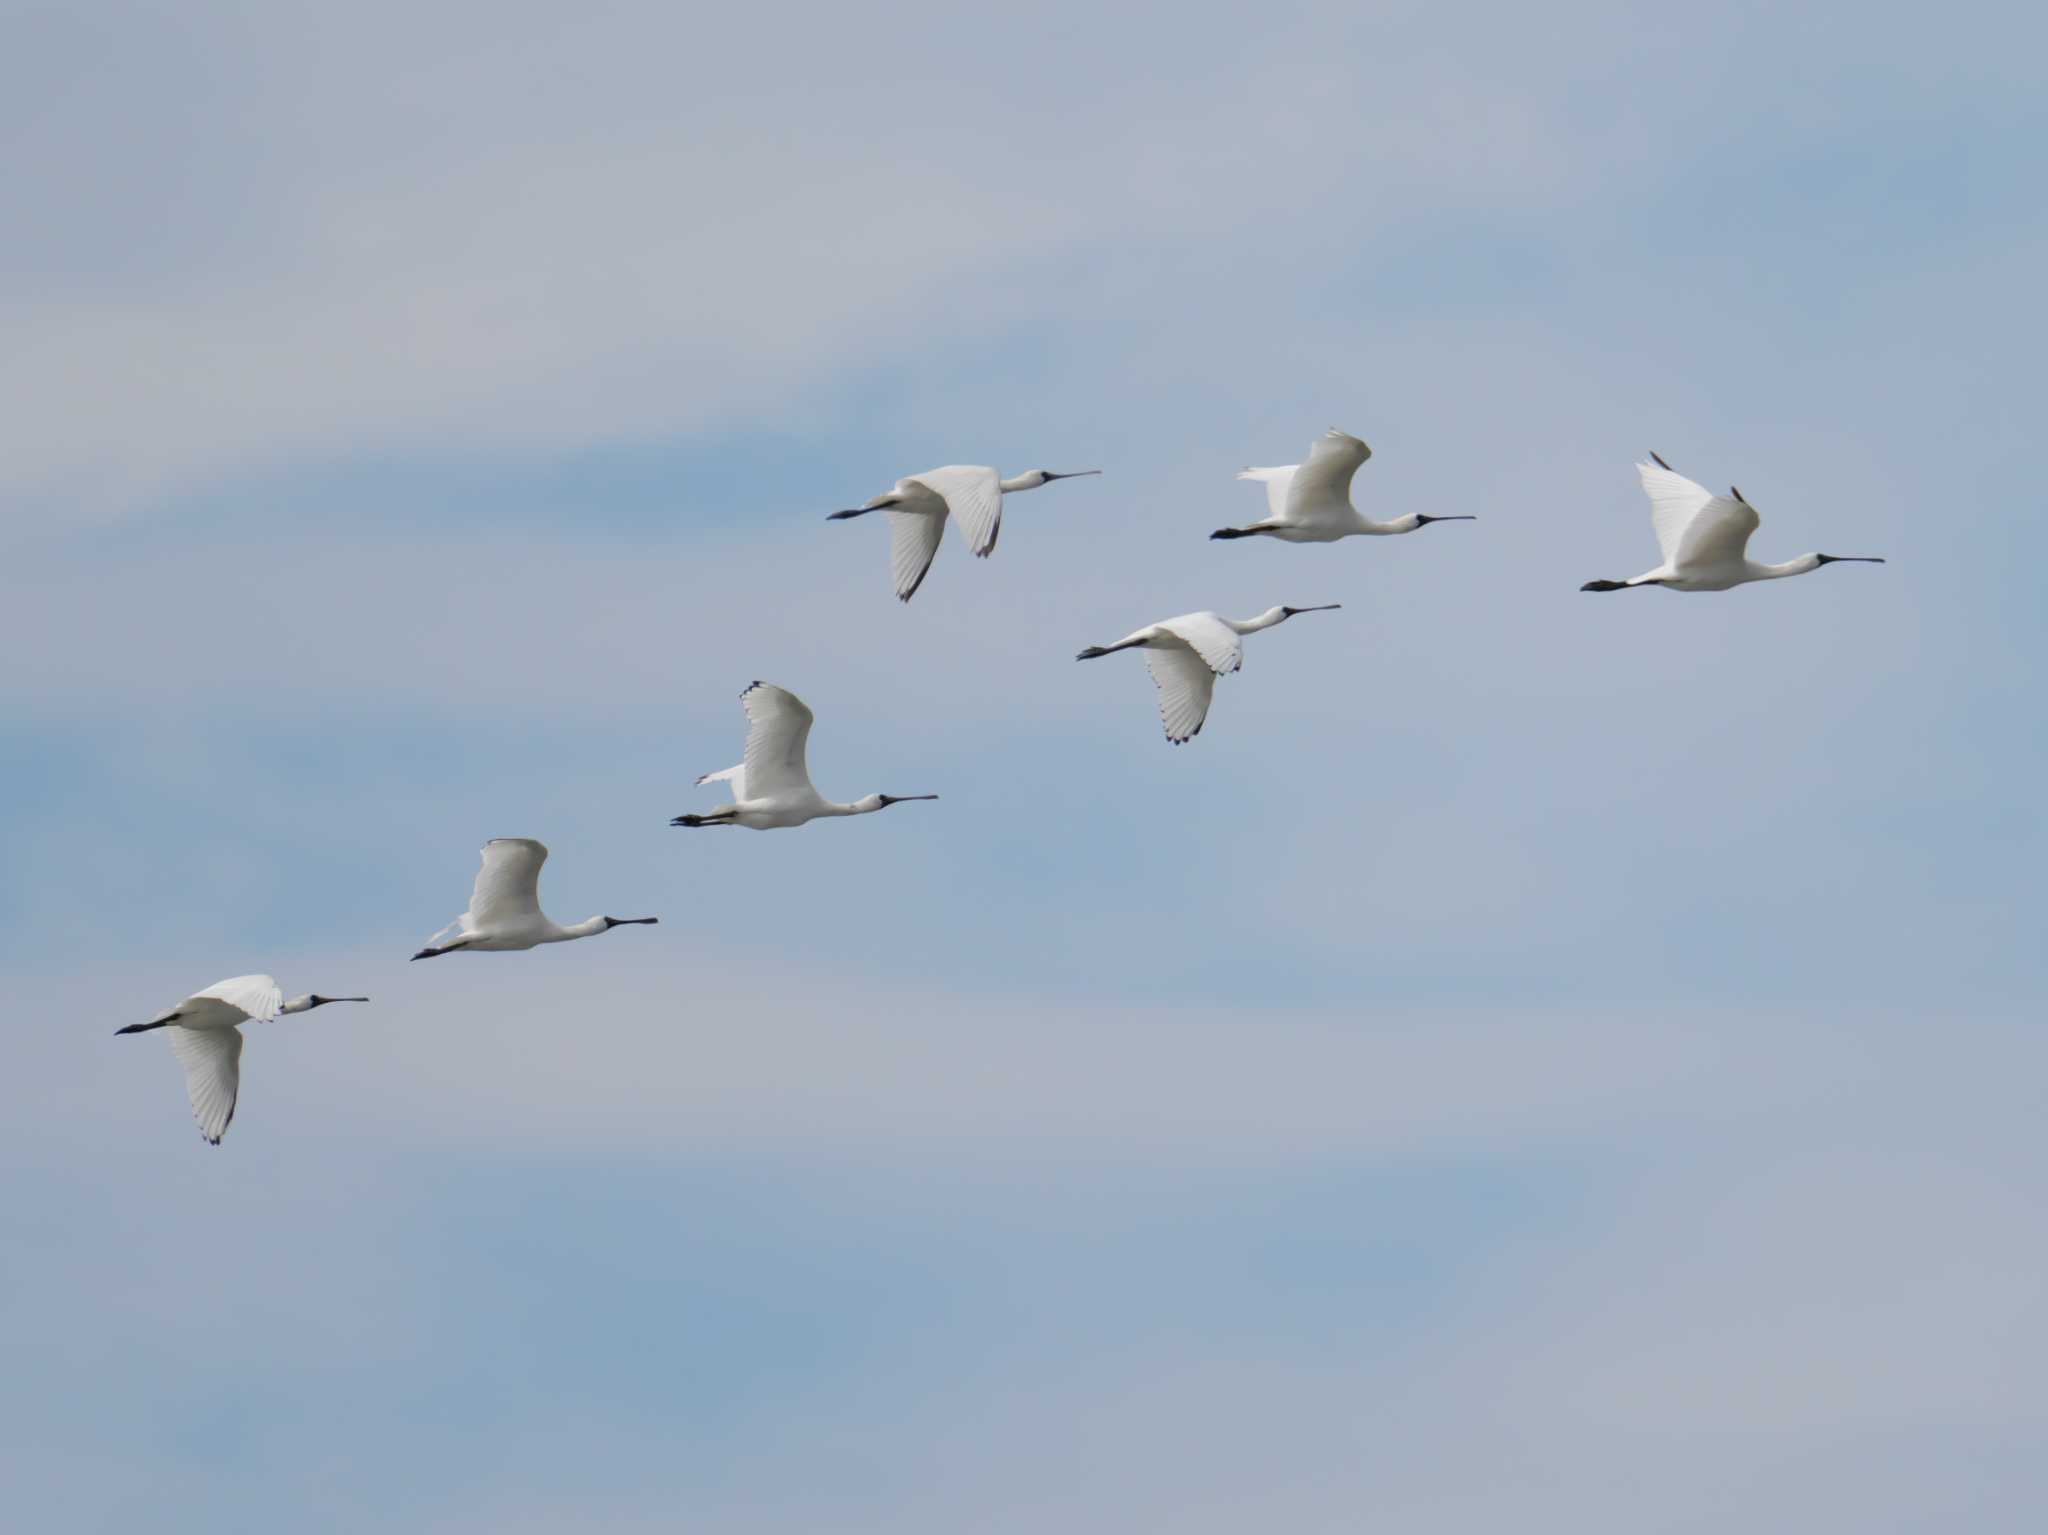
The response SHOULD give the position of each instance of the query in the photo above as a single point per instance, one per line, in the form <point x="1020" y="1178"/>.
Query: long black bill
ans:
<point x="1071" y="474"/>
<point x="852" y="511"/>
<point x="897" y="799"/>
<point x="1856" y="559"/>
<point x="612" y="922"/>
<point x="1422" y="521"/>
<point x="144" y="1028"/>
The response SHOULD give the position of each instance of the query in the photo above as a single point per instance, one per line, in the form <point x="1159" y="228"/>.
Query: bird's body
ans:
<point x="1187" y="654"/>
<point x="1704" y="539"/>
<point x="206" y="1036"/>
<point x="1310" y="503"/>
<point x="772" y="788"/>
<point x="919" y="506"/>
<point x="504" y="907"/>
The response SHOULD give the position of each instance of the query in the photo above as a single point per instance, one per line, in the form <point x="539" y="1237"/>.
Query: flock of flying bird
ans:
<point x="1704" y="540"/>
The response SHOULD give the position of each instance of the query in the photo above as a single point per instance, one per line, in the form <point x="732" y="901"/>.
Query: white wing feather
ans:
<point x="1324" y="482"/>
<point x="1674" y="502"/>
<point x="1719" y="535"/>
<point x="973" y="493"/>
<point x="779" y="725"/>
<point x="1185" y="686"/>
<point x="913" y="540"/>
<point x="736" y="776"/>
<point x="1213" y="640"/>
<point x="258" y="996"/>
<point x="212" y="1059"/>
<point x="508" y="884"/>
<point x="1277" y="480"/>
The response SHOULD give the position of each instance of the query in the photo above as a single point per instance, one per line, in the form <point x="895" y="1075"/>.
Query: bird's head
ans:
<point x="1849" y="559"/>
<point x="311" y="1000"/>
<point x="1422" y="520"/>
<point x="883" y="801"/>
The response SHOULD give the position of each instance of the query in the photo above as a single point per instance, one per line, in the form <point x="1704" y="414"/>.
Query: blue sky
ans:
<point x="1534" y="1060"/>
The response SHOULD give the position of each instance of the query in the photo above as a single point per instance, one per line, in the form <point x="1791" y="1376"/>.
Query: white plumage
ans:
<point x="206" y="1036"/>
<point x="504" y="907"/>
<point x="1187" y="654"/>
<point x="918" y="506"/>
<point x="1310" y="502"/>
<point x="1704" y="538"/>
<point x="772" y="787"/>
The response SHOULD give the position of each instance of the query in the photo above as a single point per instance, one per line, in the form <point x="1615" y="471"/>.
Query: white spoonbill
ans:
<point x="206" y="1037"/>
<point x="917" y="510"/>
<point x="504" y="908"/>
<point x="1187" y="654"/>
<point x="1311" y="503"/>
<point x="772" y="787"/>
<point x="1705" y="539"/>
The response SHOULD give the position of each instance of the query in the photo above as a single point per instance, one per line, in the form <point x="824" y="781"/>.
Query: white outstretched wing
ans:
<point x="212" y="1059"/>
<point x="1674" y="502"/>
<point x="1185" y="686"/>
<point x="913" y="540"/>
<point x="1277" y="480"/>
<point x="974" y="495"/>
<point x="1324" y="482"/>
<point x="779" y="723"/>
<point x="1213" y="640"/>
<point x="1719" y="535"/>
<point x="736" y="776"/>
<point x="508" y="884"/>
<point x="257" y="996"/>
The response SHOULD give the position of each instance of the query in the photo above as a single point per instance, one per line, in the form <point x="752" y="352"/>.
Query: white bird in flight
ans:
<point x="206" y="1037"/>
<point x="772" y="788"/>
<point x="1705" y="539"/>
<point x="1311" y="503"/>
<point x="1187" y="654"/>
<point x="504" y="908"/>
<point x="917" y="510"/>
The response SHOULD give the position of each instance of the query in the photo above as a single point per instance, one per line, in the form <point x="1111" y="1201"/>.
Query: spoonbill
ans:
<point x="1187" y="654"/>
<point x="1311" y="503"/>
<point x="504" y="908"/>
<point x="206" y="1037"/>
<point x="772" y="787"/>
<point x="1705" y="539"/>
<point x="917" y="510"/>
